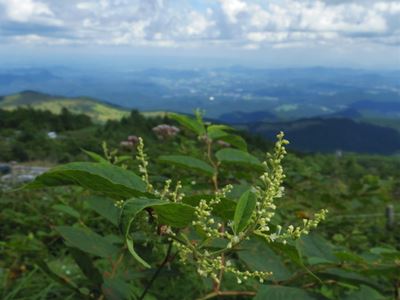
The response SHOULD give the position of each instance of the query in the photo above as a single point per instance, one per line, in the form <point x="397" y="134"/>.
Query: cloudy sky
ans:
<point x="358" y="33"/>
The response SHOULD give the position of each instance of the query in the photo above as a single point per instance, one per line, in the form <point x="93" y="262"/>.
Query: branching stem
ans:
<point x="164" y="262"/>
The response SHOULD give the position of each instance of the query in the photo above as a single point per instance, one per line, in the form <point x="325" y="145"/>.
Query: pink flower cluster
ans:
<point x="130" y="143"/>
<point x="164" y="131"/>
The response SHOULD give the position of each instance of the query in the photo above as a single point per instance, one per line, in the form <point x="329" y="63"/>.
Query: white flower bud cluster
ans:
<point x="211" y="267"/>
<point x="204" y="219"/>
<point x="110" y="155"/>
<point x="212" y="264"/>
<point x="272" y="188"/>
<point x="184" y="251"/>
<point x="119" y="203"/>
<point x="142" y="158"/>
<point x="165" y="191"/>
<point x="173" y="196"/>
<point x="296" y="232"/>
<point x="176" y="195"/>
<point x="242" y="276"/>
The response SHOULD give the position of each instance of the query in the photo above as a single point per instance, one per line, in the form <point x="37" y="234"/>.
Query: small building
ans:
<point x="52" y="135"/>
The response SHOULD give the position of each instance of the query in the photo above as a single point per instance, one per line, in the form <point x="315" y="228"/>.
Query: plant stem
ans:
<point x="164" y="262"/>
<point x="116" y="264"/>
<point x="228" y="293"/>
<point x="215" y="165"/>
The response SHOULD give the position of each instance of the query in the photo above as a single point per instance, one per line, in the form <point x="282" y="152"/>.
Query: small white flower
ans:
<point x="273" y="237"/>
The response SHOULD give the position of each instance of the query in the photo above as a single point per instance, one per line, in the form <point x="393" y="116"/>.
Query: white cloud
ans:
<point x="250" y="24"/>
<point x="388" y="7"/>
<point x="86" y="5"/>
<point x="34" y="39"/>
<point x="28" y="10"/>
<point x="232" y="8"/>
<point x="251" y="47"/>
<point x="198" y="24"/>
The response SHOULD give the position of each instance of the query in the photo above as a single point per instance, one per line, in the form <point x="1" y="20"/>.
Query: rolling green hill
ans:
<point x="98" y="111"/>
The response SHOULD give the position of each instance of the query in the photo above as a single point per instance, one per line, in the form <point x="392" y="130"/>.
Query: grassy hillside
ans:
<point x="98" y="111"/>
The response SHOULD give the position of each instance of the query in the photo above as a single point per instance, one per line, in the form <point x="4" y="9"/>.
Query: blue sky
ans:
<point x="262" y="33"/>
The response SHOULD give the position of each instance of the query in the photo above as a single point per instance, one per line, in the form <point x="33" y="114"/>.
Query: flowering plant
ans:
<point x="206" y="227"/>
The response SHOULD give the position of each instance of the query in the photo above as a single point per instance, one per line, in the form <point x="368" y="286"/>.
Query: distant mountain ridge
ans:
<point x="383" y="108"/>
<point x="239" y="117"/>
<point x="288" y="93"/>
<point x="331" y="134"/>
<point x="343" y="130"/>
<point x="97" y="110"/>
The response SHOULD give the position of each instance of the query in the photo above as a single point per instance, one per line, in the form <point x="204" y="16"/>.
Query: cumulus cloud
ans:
<point x="244" y="24"/>
<point x="28" y="11"/>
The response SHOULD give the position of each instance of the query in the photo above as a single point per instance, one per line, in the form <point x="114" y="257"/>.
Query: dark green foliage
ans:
<point x="69" y="242"/>
<point x="24" y="134"/>
<point x="27" y="118"/>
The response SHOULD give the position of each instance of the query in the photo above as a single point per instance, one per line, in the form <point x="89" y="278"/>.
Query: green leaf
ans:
<point x="289" y="251"/>
<point x="173" y="214"/>
<point x="104" y="178"/>
<point x="129" y="212"/>
<point x="117" y="289"/>
<point x="365" y="292"/>
<point x="62" y="280"/>
<point x="258" y="256"/>
<point x="239" y="157"/>
<point x="67" y="210"/>
<point x="318" y="261"/>
<point x="217" y="132"/>
<point x="350" y="257"/>
<point x="188" y="162"/>
<point x="235" y="140"/>
<point x="87" y="241"/>
<point x="87" y="267"/>
<point x="293" y="253"/>
<point x="190" y="123"/>
<point x="271" y="292"/>
<point x="96" y="157"/>
<point x="343" y="275"/>
<point x="314" y="246"/>
<point x="386" y="252"/>
<point x="243" y="212"/>
<point x="104" y="207"/>
<point x="214" y="132"/>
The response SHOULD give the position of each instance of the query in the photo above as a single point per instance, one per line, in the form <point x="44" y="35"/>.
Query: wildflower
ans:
<point x="164" y="131"/>
<point x="127" y="144"/>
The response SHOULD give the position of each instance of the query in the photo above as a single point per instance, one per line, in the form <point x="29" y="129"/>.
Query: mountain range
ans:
<point x="331" y="134"/>
<point x="287" y="93"/>
<point x="347" y="130"/>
